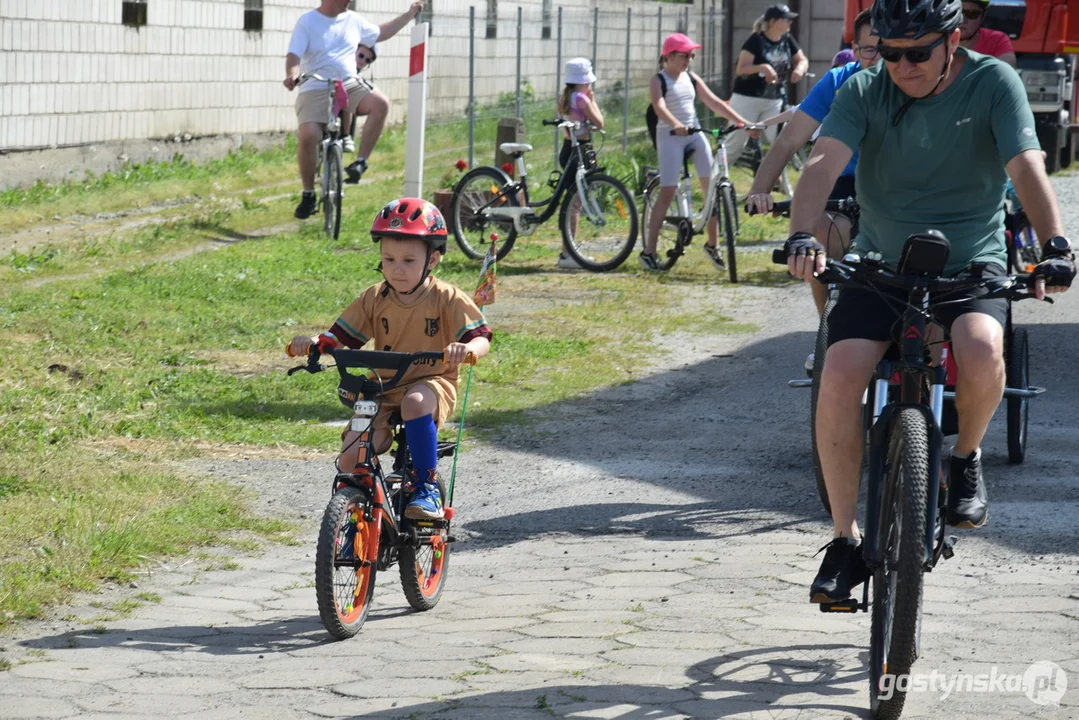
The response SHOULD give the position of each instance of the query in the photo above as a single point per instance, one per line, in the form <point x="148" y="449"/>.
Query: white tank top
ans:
<point x="680" y="99"/>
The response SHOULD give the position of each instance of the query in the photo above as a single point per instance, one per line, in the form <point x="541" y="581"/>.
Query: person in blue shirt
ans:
<point x="833" y="230"/>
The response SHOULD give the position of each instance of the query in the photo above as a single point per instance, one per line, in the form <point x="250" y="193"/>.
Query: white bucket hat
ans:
<point x="579" y="72"/>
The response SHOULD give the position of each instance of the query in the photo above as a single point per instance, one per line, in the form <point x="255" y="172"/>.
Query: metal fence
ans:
<point x="483" y="68"/>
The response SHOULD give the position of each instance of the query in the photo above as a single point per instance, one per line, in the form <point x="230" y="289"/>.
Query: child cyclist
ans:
<point x="677" y="112"/>
<point x="411" y="311"/>
<point x="577" y="103"/>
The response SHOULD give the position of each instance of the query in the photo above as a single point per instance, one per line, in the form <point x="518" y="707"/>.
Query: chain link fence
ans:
<point x="484" y="67"/>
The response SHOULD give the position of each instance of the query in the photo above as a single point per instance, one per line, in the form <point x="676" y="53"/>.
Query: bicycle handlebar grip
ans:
<point x="552" y="123"/>
<point x="779" y="256"/>
<point x="470" y="358"/>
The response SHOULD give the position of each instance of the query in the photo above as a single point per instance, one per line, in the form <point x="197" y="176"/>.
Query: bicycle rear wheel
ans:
<point x="729" y="212"/>
<point x="670" y="245"/>
<point x="897" y="583"/>
<point x="599" y="229"/>
<point x="344" y="581"/>
<point x="424" y="566"/>
<point x="820" y="349"/>
<point x="331" y="192"/>
<point x="478" y="190"/>
<point x="1018" y="375"/>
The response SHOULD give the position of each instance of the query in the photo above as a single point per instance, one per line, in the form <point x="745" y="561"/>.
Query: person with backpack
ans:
<point x="674" y="91"/>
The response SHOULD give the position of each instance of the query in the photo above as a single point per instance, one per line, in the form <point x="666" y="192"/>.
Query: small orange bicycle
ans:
<point x="364" y="529"/>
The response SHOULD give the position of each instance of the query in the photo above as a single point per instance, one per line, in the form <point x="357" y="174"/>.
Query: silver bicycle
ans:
<point x="331" y="153"/>
<point x="682" y="222"/>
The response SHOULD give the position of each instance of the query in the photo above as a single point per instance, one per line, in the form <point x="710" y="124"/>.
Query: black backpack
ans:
<point x="650" y="117"/>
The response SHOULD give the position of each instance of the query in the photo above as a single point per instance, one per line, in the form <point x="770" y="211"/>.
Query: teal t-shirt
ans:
<point x="942" y="167"/>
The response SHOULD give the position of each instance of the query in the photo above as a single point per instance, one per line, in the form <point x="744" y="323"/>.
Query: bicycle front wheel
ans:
<point x="479" y="190"/>
<point x="600" y="228"/>
<point x="729" y="212"/>
<point x="344" y="580"/>
<point x="820" y="349"/>
<point x="670" y="245"/>
<point x="1018" y="376"/>
<point x="331" y="192"/>
<point x="897" y="583"/>
<point x="425" y="563"/>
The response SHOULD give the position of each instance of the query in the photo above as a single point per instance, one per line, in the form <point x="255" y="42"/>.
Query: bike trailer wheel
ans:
<point x="344" y="580"/>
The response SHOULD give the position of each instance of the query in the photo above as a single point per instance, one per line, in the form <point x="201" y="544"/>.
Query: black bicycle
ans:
<point x="907" y="486"/>
<point x="364" y="529"/>
<point x="598" y="217"/>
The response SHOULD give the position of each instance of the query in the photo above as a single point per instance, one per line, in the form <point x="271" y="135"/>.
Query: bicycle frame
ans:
<point x="719" y="177"/>
<point x="524" y="218"/>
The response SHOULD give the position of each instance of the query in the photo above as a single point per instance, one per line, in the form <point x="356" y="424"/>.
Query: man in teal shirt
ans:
<point x="939" y="131"/>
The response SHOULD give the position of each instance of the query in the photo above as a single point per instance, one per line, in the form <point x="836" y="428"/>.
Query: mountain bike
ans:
<point x="679" y="227"/>
<point x="598" y="216"/>
<point x="907" y="485"/>
<point x="331" y="153"/>
<point x="364" y="529"/>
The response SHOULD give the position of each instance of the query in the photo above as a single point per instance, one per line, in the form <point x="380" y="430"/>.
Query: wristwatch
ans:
<point x="1057" y="246"/>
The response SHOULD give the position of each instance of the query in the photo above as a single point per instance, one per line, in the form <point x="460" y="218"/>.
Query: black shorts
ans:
<point x="843" y="188"/>
<point x="861" y="313"/>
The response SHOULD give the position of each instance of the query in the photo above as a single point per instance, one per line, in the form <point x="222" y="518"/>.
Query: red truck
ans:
<point x="1045" y="35"/>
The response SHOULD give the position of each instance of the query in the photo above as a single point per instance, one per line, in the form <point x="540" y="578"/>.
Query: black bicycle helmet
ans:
<point x="913" y="19"/>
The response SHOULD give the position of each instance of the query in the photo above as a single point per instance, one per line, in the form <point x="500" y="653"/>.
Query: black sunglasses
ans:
<point x="366" y="58"/>
<point x="916" y="55"/>
<point x="973" y="14"/>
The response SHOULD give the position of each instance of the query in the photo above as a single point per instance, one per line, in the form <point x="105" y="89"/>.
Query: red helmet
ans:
<point x="411" y="219"/>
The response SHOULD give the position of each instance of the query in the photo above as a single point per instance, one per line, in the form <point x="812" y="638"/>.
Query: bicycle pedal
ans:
<point x="949" y="544"/>
<point x="850" y="605"/>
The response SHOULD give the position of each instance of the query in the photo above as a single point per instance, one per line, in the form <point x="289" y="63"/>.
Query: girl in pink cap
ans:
<point x="674" y="91"/>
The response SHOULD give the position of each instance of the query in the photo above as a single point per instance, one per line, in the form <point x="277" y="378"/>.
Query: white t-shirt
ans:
<point x="681" y="100"/>
<point x="327" y="46"/>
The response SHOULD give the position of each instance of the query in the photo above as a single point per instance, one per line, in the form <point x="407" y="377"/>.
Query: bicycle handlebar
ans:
<point x="724" y="132"/>
<point x="783" y="207"/>
<point x="373" y="360"/>
<point x="868" y="274"/>
<point x="572" y="124"/>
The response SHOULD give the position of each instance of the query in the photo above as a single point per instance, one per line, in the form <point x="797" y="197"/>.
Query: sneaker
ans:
<point x="809" y="365"/>
<point x="568" y="263"/>
<point x="968" y="503"/>
<point x="308" y="205"/>
<point x="348" y="144"/>
<point x="716" y="256"/>
<point x="426" y="501"/>
<point x="841" y="570"/>
<point x="649" y="261"/>
<point x="355" y="171"/>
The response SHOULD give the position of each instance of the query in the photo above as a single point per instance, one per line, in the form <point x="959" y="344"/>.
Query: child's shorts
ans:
<point x="445" y="393"/>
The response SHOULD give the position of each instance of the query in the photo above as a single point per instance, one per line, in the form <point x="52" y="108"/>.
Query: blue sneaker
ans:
<point x="426" y="501"/>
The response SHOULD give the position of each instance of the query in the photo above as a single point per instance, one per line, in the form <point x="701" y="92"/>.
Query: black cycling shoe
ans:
<point x="308" y="205"/>
<point x="841" y="570"/>
<point x="355" y="171"/>
<point x="968" y="502"/>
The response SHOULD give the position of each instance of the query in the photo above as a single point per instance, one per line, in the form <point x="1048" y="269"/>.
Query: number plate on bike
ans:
<point x="366" y="408"/>
<point x="360" y="424"/>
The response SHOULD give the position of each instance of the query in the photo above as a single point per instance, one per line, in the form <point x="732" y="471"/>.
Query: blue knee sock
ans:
<point x="423" y="444"/>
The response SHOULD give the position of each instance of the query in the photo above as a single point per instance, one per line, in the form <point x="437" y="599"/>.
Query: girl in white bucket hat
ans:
<point x="577" y="102"/>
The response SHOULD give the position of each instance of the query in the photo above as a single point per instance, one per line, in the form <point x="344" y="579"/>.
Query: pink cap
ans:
<point x="677" y="42"/>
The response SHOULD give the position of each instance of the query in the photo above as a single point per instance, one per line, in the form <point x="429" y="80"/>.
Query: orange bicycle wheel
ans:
<point x="424" y="564"/>
<point x="344" y="579"/>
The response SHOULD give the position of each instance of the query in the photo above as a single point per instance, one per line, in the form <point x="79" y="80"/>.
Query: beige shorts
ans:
<point x="445" y="393"/>
<point x="312" y="106"/>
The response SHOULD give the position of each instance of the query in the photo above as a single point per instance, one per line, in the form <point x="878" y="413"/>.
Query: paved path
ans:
<point x="643" y="552"/>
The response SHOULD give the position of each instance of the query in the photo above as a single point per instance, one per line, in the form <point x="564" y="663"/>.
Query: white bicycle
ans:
<point x="682" y="223"/>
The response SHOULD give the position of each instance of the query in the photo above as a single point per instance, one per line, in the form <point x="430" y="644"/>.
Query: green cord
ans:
<point x="460" y="431"/>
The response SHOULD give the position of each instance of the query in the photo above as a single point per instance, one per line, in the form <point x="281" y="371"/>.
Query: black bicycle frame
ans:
<point x="913" y="370"/>
<point x="552" y="203"/>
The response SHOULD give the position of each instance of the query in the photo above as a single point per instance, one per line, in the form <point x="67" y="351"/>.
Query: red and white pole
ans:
<point x="417" y="111"/>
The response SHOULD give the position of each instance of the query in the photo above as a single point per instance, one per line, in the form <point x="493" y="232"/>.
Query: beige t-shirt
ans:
<point x="442" y="315"/>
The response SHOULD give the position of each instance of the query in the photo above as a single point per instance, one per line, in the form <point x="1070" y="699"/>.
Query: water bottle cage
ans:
<point x="554" y="178"/>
